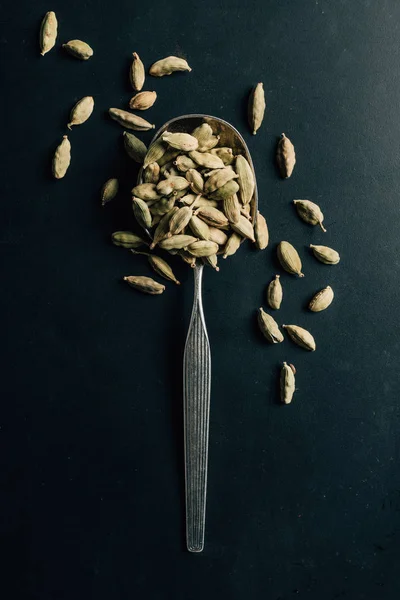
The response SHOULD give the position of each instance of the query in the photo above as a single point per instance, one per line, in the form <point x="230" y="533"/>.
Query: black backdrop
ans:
<point x="302" y="500"/>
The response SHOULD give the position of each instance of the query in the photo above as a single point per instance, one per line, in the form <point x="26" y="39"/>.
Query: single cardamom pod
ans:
<point x="202" y="248"/>
<point x="136" y="73"/>
<point x="109" y="191"/>
<point x="168" y="65"/>
<point x="289" y="258"/>
<point x="145" y="284"/>
<point x="183" y="163"/>
<point x="188" y="199"/>
<point x="196" y="181"/>
<point x="218" y="236"/>
<point x="142" y="100"/>
<point x="141" y="212"/>
<point x="180" y="219"/>
<point x="212" y="216"/>
<point x="232" y="245"/>
<point x="199" y="228"/>
<point x="180" y="141"/>
<point x="218" y="179"/>
<point x="48" y="32"/>
<point x="187" y="258"/>
<point x="301" y="337"/>
<point x="285" y="156"/>
<point x="160" y="266"/>
<point x="261" y="231"/>
<point x="309" y="212"/>
<point x="225" y="154"/>
<point x="126" y="239"/>
<point x="275" y="293"/>
<point x="134" y="147"/>
<point x="146" y="191"/>
<point x="229" y="189"/>
<point x="211" y="261"/>
<point x="269" y="327"/>
<point x="287" y="383"/>
<point x="169" y="155"/>
<point x="177" y="242"/>
<point x="232" y="208"/>
<point x="206" y="159"/>
<point x="165" y="187"/>
<point x="78" y="49"/>
<point x="129" y="120"/>
<point x="151" y="174"/>
<point x="321" y="300"/>
<point x="160" y="208"/>
<point x="155" y="152"/>
<point x="179" y="183"/>
<point x="326" y="255"/>
<point x="246" y="179"/>
<point x="204" y="134"/>
<point x="244" y="228"/>
<point x="81" y="111"/>
<point x="162" y="228"/>
<point x="62" y="158"/>
<point x="256" y="108"/>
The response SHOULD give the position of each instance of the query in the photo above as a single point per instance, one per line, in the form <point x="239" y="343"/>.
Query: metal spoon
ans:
<point x="197" y="355"/>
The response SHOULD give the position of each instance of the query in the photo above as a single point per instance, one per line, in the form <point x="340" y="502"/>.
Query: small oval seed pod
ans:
<point x="48" y="32"/>
<point x="275" y="293"/>
<point x="78" y="49"/>
<point x="136" y="73"/>
<point x="261" y="231"/>
<point x="180" y="141"/>
<point x="151" y="174"/>
<point x="126" y="239"/>
<point x="321" y="300"/>
<point x="246" y="179"/>
<point x="301" y="337"/>
<point x="256" y="108"/>
<point x="141" y="212"/>
<point x="287" y="383"/>
<point x="129" y="120"/>
<point x="62" y="158"/>
<point x="142" y="100"/>
<point x="202" y="248"/>
<point x="145" y="284"/>
<point x="326" y="255"/>
<point x="168" y="65"/>
<point x="285" y="156"/>
<point x="289" y="258"/>
<point x="134" y="147"/>
<point x="109" y="191"/>
<point x="269" y="327"/>
<point x="81" y="111"/>
<point x="309" y="212"/>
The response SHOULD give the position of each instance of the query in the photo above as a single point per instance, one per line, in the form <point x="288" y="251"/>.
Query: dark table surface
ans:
<point x="303" y="501"/>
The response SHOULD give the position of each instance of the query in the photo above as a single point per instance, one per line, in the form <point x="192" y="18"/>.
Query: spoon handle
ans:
<point x="196" y="411"/>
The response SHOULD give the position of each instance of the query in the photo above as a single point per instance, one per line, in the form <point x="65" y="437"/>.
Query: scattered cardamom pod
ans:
<point x="326" y="255"/>
<point x="81" y="111"/>
<point x="154" y="153"/>
<point x="129" y="120"/>
<point x="196" y="181"/>
<point x="180" y="219"/>
<point x="136" y="73"/>
<point x="244" y="228"/>
<point x="109" y="191"/>
<point x="289" y="258"/>
<point x="301" y="336"/>
<point x="48" y="32"/>
<point x="232" y="245"/>
<point x="142" y="100"/>
<point x="321" y="300"/>
<point x="199" y="228"/>
<point x="177" y="242"/>
<point x="309" y="212"/>
<point x="256" y="108"/>
<point x="183" y="163"/>
<point x="285" y="156"/>
<point x="141" y="212"/>
<point x="246" y="179"/>
<point x="229" y="189"/>
<point x="232" y="208"/>
<point x="134" y="147"/>
<point x="78" y="49"/>
<point x="126" y="239"/>
<point x="145" y="284"/>
<point x="202" y="248"/>
<point x="146" y="191"/>
<point x="160" y="266"/>
<point x="162" y="228"/>
<point x="287" y="383"/>
<point x="62" y="158"/>
<point x="206" y="159"/>
<point x="261" y="231"/>
<point x="275" y="293"/>
<point x="269" y="327"/>
<point x="151" y="174"/>
<point x="212" y="216"/>
<point x="168" y="65"/>
<point x="180" y="141"/>
<point x="225" y="154"/>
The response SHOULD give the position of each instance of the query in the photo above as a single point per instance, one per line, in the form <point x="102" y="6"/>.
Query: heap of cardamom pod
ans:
<point x="195" y="199"/>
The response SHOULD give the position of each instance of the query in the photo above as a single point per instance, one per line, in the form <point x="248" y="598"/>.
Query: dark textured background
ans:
<point x="303" y="501"/>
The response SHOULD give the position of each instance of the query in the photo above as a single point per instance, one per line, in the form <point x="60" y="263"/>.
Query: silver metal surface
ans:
<point x="197" y="355"/>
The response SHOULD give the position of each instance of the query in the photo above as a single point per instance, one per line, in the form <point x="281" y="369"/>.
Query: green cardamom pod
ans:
<point x="81" y="111"/>
<point x="285" y="156"/>
<point x="244" y="228"/>
<point x="301" y="337"/>
<point x="162" y="228"/>
<point x="289" y="258"/>
<point x="146" y="191"/>
<point x="212" y="216"/>
<point x="126" y="239"/>
<point x="202" y="248"/>
<point x="151" y="174"/>
<point x="129" y="120"/>
<point x="232" y="245"/>
<point x="275" y="293"/>
<point x="256" y="108"/>
<point x="141" y="212"/>
<point x="321" y="300"/>
<point x="142" y="100"/>
<point x="155" y="152"/>
<point x="168" y="65"/>
<point x="62" y="158"/>
<point x="136" y="73"/>
<point x="196" y="181"/>
<point x="232" y="208"/>
<point x="180" y="219"/>
<point x="261" y="231"/>
<point x="229" y="189"/>
<point x="269" y="327"/>
<point x="246" y="179"/>
<point x="78" y="49"/>
<point x="109" y="191"/>
<point x="206" y="159"/>
<point x="287" y="383"/>
<point x="225" y="154"/>
<point x="309" y="212"/>
<point x="48" y="32"/>
<point x="177" y="242"/>
<point x="326" y="255"/>
<point x="180" y="141"/>
<point x="145" y="284"/>
<point x="134" y="147"/>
